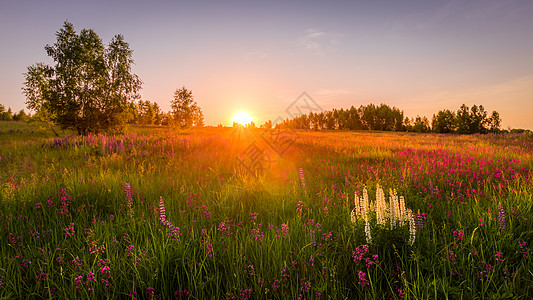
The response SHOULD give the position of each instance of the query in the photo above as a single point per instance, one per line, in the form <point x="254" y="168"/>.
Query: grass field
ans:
<point x="221" y="213"/>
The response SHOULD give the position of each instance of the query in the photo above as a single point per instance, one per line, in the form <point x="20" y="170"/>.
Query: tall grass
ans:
<point x="72" y="229"/>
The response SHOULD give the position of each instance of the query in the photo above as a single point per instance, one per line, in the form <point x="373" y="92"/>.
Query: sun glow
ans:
<point x="242" y="118"/>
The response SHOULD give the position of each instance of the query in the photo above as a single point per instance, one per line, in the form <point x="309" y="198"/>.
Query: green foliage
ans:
<point x="144" y="112"/>
<point x="381" y="117"/>
<point x="21" y="116"/>
<point x="475" y="120"/>
<point x="495" y="122"/>
<point x="421" y="124"/>
<point x="89" y="86"/>
<point x="443" y="122"/>
<point x="384" y="118"/>
<point x="368" y="117"/>
<point x="5" y="115"/>
<point x="185" y="111"/>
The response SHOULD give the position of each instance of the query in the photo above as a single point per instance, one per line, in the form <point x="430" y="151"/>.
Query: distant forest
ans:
<point x="385" y="118"/>
<point x="141" y="112"/>
<point x="370" y="117"/>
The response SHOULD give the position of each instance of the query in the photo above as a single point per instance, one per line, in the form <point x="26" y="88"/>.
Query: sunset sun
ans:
<point x="242" y="118"/>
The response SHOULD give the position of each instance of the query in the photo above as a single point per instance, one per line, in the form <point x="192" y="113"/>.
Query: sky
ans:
<point x="259" y="57"/>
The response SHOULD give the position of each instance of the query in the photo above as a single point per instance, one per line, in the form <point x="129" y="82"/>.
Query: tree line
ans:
<point x="91" y="87"/>
<point x="385" y="118"/>
<point x="8" y="115"/>
<point x="185" y="112"/>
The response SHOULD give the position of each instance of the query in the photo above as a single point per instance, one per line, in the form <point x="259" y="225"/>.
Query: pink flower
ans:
<point x="362" y="278"/>
<point x="459" y="235"/>
<point x="90" y="277"/>
<point x="499" y="256"/>
<point x="305" y="286"/>
<point x="106" y="270"/>
<point x="285" y="230"/>
<point x="162" y="211"/>
<point x="69" y="230"/>
<point x="129" y="199"/>
<point x="78" y="281"/>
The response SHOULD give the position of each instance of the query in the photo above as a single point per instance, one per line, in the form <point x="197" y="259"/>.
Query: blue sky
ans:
<point x="421" y="56"/>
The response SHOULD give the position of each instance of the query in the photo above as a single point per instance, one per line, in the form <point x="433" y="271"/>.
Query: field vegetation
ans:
<point x="163" y="213"/>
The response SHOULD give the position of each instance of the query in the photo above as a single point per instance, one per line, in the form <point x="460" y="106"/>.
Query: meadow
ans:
<point x="170" y="214"/>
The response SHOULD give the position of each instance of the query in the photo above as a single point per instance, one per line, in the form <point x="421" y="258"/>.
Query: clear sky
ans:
<point x="420" y="56"/>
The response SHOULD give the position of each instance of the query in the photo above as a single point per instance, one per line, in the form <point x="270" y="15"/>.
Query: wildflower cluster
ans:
<point x="523" y="248"/>
<point x="277" y="238"/>
<point x="206" y="243"/>
<point x="129" y="199"/>
<point x="362" y="256"/>
<point x="299" y="208"/>
<point x="226" y="227"/>
<point x="394" y="213"/>
<point x="69" y="230"/>
<point x="501" y="217"/>
<point x="173" y="231"/>
<point x="64" y="202"/>
<point x="364" y="260"/>
<point x="420" y="219"/>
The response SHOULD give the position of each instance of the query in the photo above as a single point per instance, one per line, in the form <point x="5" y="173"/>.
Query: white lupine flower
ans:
<point x="357" y="203"/>
<point x="353" y="216"/>
<point x="412" y="228"/>
<point x="384" y="208"/>
<point x="403" y="213"/>
<point x="394" y="212"/>
<point x="365" y="204"/>
<point x="393" y="209"/>
<point x="367" y="233"/>
<point x="381" y="206"/>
